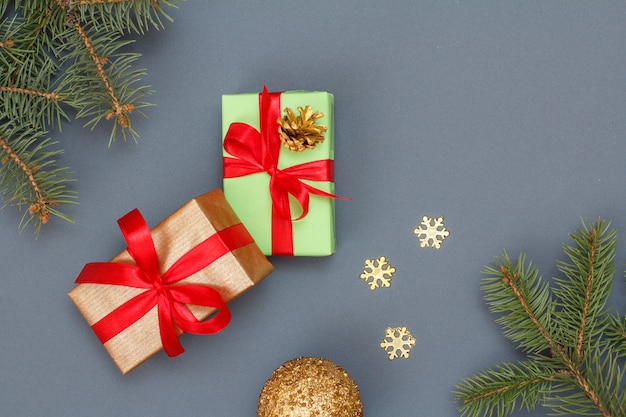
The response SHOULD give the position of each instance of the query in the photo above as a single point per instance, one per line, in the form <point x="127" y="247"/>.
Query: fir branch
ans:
<point x="28" y="160"/>
<point x="34" y="93"/>
<point x="64" y="59"/>
<point x="586" y="285"/>
<point x="22" y="57"/>
<point x="616" y="334"/>
<point x="119" y="110"/>
<point x="515" y="279"/>
<point x="83" y="2"/>
<point x="38" y="105"/>
<point x="102" y="84"/>
<point x="603" y="370"/>
<point x="576" y="350"/>
<point x="517" y="291"/>
<point x="498" y="391"/>
<point x="125" y="16"/>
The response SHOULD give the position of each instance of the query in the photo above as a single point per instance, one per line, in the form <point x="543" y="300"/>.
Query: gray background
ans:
<point x="507" y="118"/>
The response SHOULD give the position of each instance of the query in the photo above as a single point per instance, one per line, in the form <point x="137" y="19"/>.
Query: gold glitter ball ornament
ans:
<point x="298" y="133"/>
<point x="310" y="387"/>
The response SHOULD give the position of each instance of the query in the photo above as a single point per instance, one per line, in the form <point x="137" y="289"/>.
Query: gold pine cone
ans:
<point x="298" y="133"/>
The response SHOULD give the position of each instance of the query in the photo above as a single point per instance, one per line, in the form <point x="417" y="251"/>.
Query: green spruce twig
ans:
<point x="31" y="176"/>
<point x="575" y="347"/>
<point x="62" y="60"/>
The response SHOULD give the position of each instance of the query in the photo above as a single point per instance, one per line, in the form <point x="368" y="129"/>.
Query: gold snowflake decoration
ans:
<point x="398" y="342"/>
<point x="431" y="232"/>
<point x="377" y="273"/>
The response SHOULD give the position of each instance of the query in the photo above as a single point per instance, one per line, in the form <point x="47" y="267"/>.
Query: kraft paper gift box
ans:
<point x="257" y="166"/>
<point x="205" y="220"/>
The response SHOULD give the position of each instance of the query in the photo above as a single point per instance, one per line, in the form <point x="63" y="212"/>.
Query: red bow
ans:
<point x="161" y="290"/>
<point x="257" y="151"/>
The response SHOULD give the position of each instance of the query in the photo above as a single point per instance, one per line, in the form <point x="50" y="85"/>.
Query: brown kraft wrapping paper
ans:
<point x="230" y="276"/>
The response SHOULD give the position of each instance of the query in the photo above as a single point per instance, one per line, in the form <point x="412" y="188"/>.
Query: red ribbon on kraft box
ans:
<point x="169" y="287"/>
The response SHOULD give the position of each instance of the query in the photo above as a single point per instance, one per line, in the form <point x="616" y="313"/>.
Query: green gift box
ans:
<point x="263" y="180"/>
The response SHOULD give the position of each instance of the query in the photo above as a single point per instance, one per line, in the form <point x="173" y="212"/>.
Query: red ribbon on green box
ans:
<point x="257" y="151"/>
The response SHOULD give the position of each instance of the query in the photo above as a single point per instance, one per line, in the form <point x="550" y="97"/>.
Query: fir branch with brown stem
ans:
<point x="575" y="359"/>
<point x="62" y="60"/>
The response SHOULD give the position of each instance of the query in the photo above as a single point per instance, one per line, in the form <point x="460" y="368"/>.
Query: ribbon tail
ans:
<point x="169" y="336"/>
<point x="204" y="296"/>
<point x="320" y="170"/>
<point x="322" y="193"/>
<point x="304" y="198"/>
<point x="290" y="180"/>
<point x="190" y="324"/>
